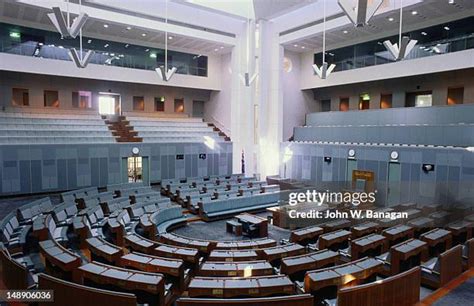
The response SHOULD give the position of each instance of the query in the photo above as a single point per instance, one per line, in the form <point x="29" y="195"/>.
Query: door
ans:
<point x="198" y="109"/>
<point x="393" y="186"/>
<point x="351" y="166"/>
<point x="109" y="104"/>
<point x="134" y="169"/>
<point x="145" y="170"/>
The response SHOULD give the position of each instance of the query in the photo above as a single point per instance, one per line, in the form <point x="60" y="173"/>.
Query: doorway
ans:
<point x="134" y="169"/>
<point x="109" y="104"/>
<point x="198" y="109"/>
<point x="394" y="182"/>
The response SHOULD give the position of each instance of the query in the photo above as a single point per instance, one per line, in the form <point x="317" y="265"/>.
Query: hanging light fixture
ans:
<point x="405" y="44"/>
<point x="362" y="13"/>
<point x="63" y="27"/>
<point x="325" y="69"/>
<point x="163" y="72"/>
<point x="80" y="60"/>
<point x="246" y="78"/>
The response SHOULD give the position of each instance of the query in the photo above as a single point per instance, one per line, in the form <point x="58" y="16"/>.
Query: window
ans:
<point x="82" y="99"/>
<point x="178" y="105"/>
<point x="419" y="99"/>
<point x="107" y="105"/>
<point x="51" y="98"/>
<point x="20" y="97"/>
<point x="344" y="104"/>
<point x="138" y="103"/>
<point x="326" y="105"/>
<point x="364" y="101"/>
<point x="386" y="101"/>
<point x="455" y="96"/>
<point x="160" y="104"/>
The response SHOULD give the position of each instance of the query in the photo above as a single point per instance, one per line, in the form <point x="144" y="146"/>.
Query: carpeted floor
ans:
<point x="463" y="295"/>
<point x="216" y="230"/>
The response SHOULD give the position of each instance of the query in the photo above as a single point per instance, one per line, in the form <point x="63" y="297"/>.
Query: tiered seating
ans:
<point x="439" y="126"/>
<point x="52" y="128"/>
<point x="155" y="129"/>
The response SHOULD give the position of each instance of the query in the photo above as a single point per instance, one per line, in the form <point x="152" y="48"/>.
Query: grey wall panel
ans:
<point x="95" y="171"/>
<point x="62" y="174"/>
<point x="172" y="167"/>
<point x="36" y="176"/>
<point x="194" y="165"/>
<point x="72" y="173"/>
<point x="164" y="167"/>
<point x="104" y="172"/>
<point x="25" y="176"/>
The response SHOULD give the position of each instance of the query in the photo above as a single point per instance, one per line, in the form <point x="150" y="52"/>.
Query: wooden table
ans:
<point x="249" y="220"/>
<point x="233" y="287"/>
<point x="225" y="255"/>
<point x="328" y="240"/>
<point x="404" y="251"/>
<point x="364" y="229"/>
<point x="235" y="269"/>
<point x="398" y="233"/>
<point x="234" y="227"/>
<point x="360" y="246"/>
<point x="306" y="235"/>
<point x="311" y="261"/>
<point x="436" y="237"/>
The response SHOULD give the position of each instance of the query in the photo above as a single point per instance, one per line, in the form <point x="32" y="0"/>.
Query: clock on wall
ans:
<point x="352" y="153"/>
<point x="135" y="151"/>
<point x="394" y="155"/>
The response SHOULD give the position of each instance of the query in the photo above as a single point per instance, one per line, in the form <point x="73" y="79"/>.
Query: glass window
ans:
<point x="385" y="101"/>
<point x="20" y="97"/>
<point x="419" y="99"/>
<point x="138" y="103"/>
<point x="455" y="96"/>
<point x="326" y="105"/>
<point x="344" y="104"/>
<point x="160" y="104"/>
<point x="178" y="105"/>
<point x="81" y="99"/>
<point x="51" y="98"/>
<point x="364" y="101"/>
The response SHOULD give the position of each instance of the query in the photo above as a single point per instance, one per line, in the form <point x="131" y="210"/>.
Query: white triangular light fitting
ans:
<point x="165" y="75"/>
<point x="163" y="72"/>
<point x="399" y="53"/>
<point x="62" y="27"/>
<point x="80" y="63"/>
<point x="324" y="71"/>
<point x="246" y="79"/>
<point x="362" y="13"/>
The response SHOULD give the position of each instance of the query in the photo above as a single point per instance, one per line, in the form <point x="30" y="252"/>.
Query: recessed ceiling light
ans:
<point x="40" y="44"/>
<point x="216" y="49"/>
<point x="153" y="55"/>
<point x="61" y="47"/>
<point x="129" y="28"/>
<point x="295" y="45"/>
<point x="106" y="45"/>
<point x="447" y="28"/>
<point x="302" y="47"/>
<point x="126" y="46"/>
<point x="15" y="35"/>
<point x="345" y="31"/>
<point x="106" y="26"/>
<point x="331" y="54"/>
<point x="391" y="19"/>
<point x="170" y="37"/>
<point x="414" y="12"/>
<point x="222" y="47"/>
<point x="89" y="41"/>
<point x="146" y="50"/>
<point x="143" y="34"/>
<point x="112" y="54"/>
<point x="424" y="33"/>
<point x="451" y="1"/>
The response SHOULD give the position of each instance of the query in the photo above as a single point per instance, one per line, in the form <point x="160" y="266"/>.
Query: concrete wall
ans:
<point x="437" y="83"/>
<point x="296" y="103"/>
<point x="65" y="86"/>
<point x="28" y="169"/>
<point x="217" y="110"/>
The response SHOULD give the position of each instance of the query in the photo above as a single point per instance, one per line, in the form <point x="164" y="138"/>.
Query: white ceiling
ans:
<point x="429" y="12"/>
<point x="36" y="17"/>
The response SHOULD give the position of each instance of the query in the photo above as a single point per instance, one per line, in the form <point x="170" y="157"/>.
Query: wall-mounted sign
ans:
<point x="179" y="156"/>
<point x="202" y="156"/>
